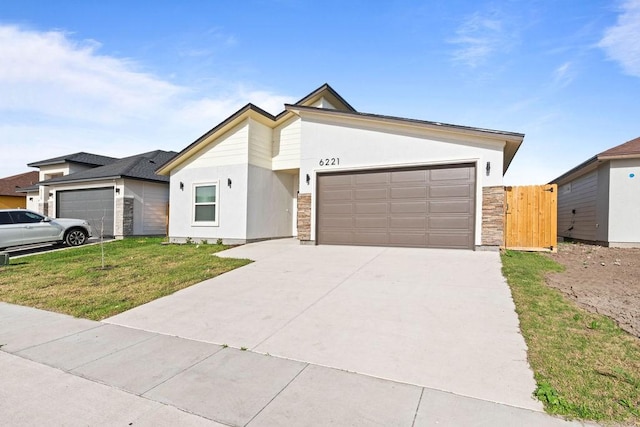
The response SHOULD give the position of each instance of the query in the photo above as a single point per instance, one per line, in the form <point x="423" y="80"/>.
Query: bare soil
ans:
<point x="603" y="280"/>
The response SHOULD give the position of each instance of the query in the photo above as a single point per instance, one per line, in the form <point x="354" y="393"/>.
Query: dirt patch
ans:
<point x="603" y="280"/>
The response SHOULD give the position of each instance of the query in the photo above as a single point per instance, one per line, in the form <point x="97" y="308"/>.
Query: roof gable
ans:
<point x="253" y="111"/>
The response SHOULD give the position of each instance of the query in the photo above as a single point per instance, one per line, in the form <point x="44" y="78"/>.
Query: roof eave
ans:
<point x="575" y="172"/>
<point x="512" y="140"/>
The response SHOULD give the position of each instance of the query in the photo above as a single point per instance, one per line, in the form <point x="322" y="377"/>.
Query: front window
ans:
<point x="206" y="204"/>
<point x="26" y="217"/>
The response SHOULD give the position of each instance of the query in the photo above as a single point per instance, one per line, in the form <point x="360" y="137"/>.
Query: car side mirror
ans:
<point x="46" y="219"/>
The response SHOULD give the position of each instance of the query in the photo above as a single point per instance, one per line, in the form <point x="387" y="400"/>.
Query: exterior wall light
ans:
<point x="181" y="185"/>
<point x="229" y="182"/>
<point x="117" y="190"/>
<point x="488" y="168"/>
<point x="308" y="179"/>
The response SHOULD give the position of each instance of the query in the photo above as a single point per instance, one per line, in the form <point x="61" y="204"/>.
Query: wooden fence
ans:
<point x="531" y="218"/>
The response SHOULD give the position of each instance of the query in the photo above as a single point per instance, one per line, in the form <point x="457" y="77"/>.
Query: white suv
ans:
<point x="23" y="227"/>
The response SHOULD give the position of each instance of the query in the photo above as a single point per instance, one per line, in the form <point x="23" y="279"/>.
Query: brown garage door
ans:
<point x="425" y="207"/>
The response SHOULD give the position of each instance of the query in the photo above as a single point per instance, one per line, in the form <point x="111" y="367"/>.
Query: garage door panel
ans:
<point x="370" y="238"/>
<point x="408" y="239"/>
<point x="338" y="195"/>
<point x="450" y="207"/>
<point x="418" y="223"/>
<point x="344" y="222"/>
<point x="409" y="193"/>
<point x="381" y="222"/>
<point x="449" y="191"/>
<point x="338" y="208"/>
<point x="371" y="208"/>
<point x="338" y="238"/>
<point x="371" y="178"/>
<point x="449" y="223"/>
<point x="371" y="193"/>
<point x="428" y="207"/>
<point x="415" y="176"/>
<point x="449" y="240"/>
<point x="450" y="174"/>
<point x="345" y="180"/>
<point x="408" y="207"/>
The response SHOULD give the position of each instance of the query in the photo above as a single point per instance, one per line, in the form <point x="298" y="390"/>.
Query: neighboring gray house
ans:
<point x="119" y="197"/>
<point x="599" y="200"/>
<point x="328" y="174"/>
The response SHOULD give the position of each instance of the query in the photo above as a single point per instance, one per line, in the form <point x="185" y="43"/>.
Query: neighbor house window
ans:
<point x="206" y="204"/>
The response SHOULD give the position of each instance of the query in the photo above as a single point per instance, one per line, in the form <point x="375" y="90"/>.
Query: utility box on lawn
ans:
<point x="4" y="258"/>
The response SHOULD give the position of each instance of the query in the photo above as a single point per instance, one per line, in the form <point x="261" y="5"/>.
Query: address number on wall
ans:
<point x="333" y="161"/>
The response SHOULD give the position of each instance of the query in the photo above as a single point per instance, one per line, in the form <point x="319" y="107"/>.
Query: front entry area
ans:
<point x="430" y="207"/>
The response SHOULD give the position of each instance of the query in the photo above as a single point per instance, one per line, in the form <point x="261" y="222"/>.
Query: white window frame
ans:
<point x="216" y="204"/>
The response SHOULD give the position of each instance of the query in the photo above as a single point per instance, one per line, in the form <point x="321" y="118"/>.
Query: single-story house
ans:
<point x="599" y="200"/>
<point x="328" y="174"/>
<point x="9" y="197"/>
<point x="119" y="197"/>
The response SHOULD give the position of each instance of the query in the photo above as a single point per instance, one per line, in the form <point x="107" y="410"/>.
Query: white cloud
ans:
<point x="478" y="38"/>
<point x="620" y="41"/>
<point x="60" y="96"/>
<point x="563" y="75"/>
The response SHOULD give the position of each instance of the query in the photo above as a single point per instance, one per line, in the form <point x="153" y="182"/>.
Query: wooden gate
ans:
<point x="531" y="218"/>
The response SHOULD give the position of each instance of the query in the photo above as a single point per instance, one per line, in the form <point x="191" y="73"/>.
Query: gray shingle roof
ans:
<point x="141" y="166"/>
<point x="82" y="158"/>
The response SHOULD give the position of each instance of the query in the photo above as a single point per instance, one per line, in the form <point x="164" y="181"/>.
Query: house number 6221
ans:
<point x="334" y="161"/>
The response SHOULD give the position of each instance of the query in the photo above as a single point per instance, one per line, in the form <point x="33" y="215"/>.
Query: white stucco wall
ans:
<point x="149" y="207"/>
<point x="624" y="202"/>
<point x="33" y="199"/>
<point x="360" y="146"/>
<point x="232" y="208"/>
<point x="270" y="207"/>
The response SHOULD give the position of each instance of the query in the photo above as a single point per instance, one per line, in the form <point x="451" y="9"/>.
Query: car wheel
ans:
<point x="75" y="237"/>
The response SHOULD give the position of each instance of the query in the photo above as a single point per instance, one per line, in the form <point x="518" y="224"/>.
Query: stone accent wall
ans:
<point x="118" y="231"/>
<point x="127" y="216"/>
<point x="493" y="216"/>
<point x="304" y="216"/>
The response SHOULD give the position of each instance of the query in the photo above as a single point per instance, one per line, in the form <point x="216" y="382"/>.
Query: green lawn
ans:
<point x="137" y="270"/>
<point x="585" y="366"/>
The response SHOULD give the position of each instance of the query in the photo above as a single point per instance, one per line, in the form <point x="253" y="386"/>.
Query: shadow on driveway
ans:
<point x="47" y="247"/>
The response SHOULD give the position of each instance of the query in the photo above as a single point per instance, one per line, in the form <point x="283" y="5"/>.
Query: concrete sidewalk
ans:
<point x="59" y="370"/>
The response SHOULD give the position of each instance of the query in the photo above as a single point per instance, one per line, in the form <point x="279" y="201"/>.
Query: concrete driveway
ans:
<point x="442" y="319"/>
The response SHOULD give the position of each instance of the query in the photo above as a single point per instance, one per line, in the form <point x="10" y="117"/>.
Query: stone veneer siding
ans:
<point x="124" y="217"/>
<point x="493" y="216"/>
<point x="304" y="216"/>
<point x="127" y="216"/>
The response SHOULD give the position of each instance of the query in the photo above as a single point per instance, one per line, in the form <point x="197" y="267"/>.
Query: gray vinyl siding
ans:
<point x="581" y="197"/>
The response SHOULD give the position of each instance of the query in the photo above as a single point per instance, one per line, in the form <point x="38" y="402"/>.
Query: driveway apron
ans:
<point x="442" y="319"/>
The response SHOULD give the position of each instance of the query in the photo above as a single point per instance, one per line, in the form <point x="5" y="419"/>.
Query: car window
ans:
<point x="24" y="217"/>
<point x="5" y="218"/>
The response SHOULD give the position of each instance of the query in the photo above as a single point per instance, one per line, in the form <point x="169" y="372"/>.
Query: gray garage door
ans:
<point x="92" y="205"/>
<point x="426" y="207"/>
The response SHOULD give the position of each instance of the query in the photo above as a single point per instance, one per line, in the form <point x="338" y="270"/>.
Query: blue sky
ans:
<point x="123" y="77"/>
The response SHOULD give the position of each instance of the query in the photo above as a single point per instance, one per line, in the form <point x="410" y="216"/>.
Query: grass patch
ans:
<point x="584" y="365"/>
<point x="137" y="270"/>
